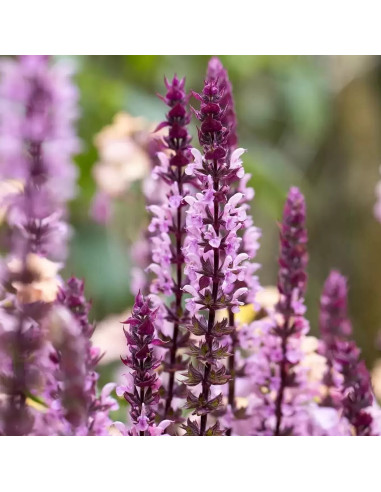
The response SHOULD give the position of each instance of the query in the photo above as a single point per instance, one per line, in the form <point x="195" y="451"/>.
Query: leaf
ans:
<point x="215" y="430"/>
<point x="219" y="376"/>
<point x="194" y="376"/>
<point x="200" y="351"/>
<point x="221" y="329"/>
<point x="191" y="428"/>
<point x="198" y="327"/>
<point x="221" y="352"/>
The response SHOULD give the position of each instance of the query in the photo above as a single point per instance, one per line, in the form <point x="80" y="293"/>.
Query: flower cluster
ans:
<point x="210" y="352"/>
<point x="219" y="74"/>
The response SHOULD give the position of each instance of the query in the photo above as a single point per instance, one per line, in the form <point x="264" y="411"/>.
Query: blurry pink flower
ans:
<point x="45" y="280"/>
<point x="123" y="157"/>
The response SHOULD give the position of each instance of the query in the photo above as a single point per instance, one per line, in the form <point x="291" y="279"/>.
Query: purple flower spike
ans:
<point x="279" y="387"/>
<point x="216" y="72"/>
<point x="334" y="327"/>
<point x="141" y="391"/>
<point x="213" y="263"/>
<point x="292" y="279"/>
<point x="167" y="240"/>
<point x="71" y="393"/>
<point x="37" y="142"/>
<point x="347" y="379"/>
<point x="357" y="394"/>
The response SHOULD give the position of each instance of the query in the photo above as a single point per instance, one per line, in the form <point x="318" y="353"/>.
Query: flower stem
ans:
<point x="212" y="311"/>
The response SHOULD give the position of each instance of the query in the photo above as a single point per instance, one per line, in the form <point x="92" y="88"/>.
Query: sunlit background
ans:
<point x="313" y="122"/>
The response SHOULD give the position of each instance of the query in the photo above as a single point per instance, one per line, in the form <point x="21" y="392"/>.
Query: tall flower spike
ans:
<point x="71" y="402"/>
<point x="143" y="383"/>
<point x="37" y="141"/>
<point x="357" y="394"/>
<point x="292" y="281"/>
<point x="211" y="254"/>
<point x="168" y="226"/>
<point x="95" y="408"/>
<point x="334" y="327"/>
<point x="347" y="379"/>
<point x="216" y="72"/>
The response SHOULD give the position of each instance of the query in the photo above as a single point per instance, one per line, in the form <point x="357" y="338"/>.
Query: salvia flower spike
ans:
<point x="211" y="254"/>
<point x="250" y="235"/>
<point x="92" y="411"/>
<point x="168" y="232"/>
<point x="292" y="280"/>
<point x="37" y="141"/>
<point x="334" y="327"/>
<point x="142" y="390"/>
<point x="347" y="380"/>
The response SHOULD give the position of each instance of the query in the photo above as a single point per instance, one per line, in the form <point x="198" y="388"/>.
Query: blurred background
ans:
<point x="313" y="122"/>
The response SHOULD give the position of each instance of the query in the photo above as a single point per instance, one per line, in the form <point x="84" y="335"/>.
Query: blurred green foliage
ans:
<point x="308" y="121"/>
